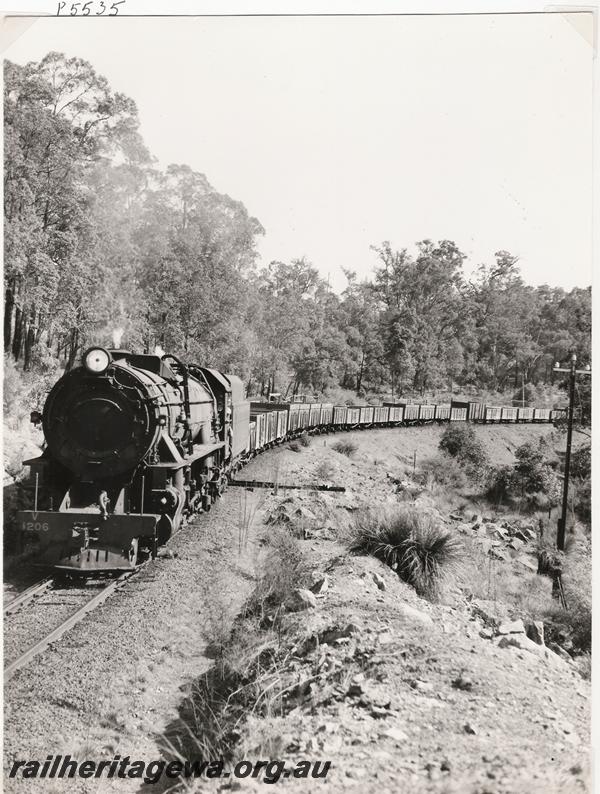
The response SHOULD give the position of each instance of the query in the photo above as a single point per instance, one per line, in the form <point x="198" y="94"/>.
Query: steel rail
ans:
<point x="27" y="595"/>
<point x="71" y="621"/>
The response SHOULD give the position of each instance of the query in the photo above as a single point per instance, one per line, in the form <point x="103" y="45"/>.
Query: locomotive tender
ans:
<point x="135" y="444"/>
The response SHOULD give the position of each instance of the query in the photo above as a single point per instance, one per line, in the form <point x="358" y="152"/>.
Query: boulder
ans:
<point x="535" y="631"/>
<point x="414" y="614"/>
<point x="493" y="613"/>
<point x="523" y="643"/>
<point x="396" y="734"/>
<point x="379" y="580"/>
<point x="320" y="582"/>
<point x="528" y="562"/>
<point x="511" y="627"/>
<point x="300" y="600"/>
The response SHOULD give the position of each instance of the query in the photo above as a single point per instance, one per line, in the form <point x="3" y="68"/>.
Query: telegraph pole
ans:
<point x="573" y="372"/>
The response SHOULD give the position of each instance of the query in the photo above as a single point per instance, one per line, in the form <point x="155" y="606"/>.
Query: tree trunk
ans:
<point x="18" y="334"/>
<point x="9" y="305"/>
<point x="29" y="344"/>
<point x="73" y="347"/>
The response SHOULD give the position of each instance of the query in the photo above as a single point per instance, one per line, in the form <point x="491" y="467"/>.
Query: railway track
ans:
<point x="27" y="595"/>
<point x="51" y="609"/>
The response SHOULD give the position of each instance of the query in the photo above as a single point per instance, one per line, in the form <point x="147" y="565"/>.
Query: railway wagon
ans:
<point x="525" y="414"/>
<point x="541" y="414"/>
<point x="353" y="416"/>
<point x="510" y="414"/>
<point x="326" y="413"/>
<point x="442" y="413"/>
<point x="252" y="437"/>
<point x="493" y="413"/>
<point x="396" y="415"/>
<point x="366" y="415"/>
<point x="299" y="416"/>
<point x="411" y="412"/>
<point x="380" y="414"/>
<point x="458" y="414"/>
<point x="558" y="414"/>
<point x="340" y="412"/>
<point x="426" y="413"/>
<point x="314" y="417"/>
<point x="476" y="412"/>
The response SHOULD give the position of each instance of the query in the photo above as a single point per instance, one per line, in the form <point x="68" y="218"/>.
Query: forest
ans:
<point x="103" y="247"/>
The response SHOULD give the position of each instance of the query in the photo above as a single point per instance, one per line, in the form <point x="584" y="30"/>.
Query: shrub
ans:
<point x="347" y="448"/>
<point x="498" y="483"/>
<point x="325" y="470"/>
<point x="284" y="570"/>
<point x="581" y="462"/>
<point x="305" y="439"/>
<point x="294" y="446"/>
<point x="413" y="544"/>
<point x="443" y="470"/>
<point x="461" y="442"/>
<point x="531" y="478"/>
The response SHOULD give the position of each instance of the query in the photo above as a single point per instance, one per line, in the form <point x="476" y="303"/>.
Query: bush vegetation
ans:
<point x="420" y="551"/>
<point x="247" y="679"/>
<point x="347" y="448"/>
<point x="461" y="443"/>
<point x="532" y="480"/>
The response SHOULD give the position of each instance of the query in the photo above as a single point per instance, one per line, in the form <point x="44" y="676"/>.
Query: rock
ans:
<point x="414" y="614"/>
<point x="535" y="631"/>
<point x="523" y="642"/>
<point x="470" y="728"/>
<point x="385" y="638"/>
<point x="559" y="651"/>
<point x="499" y="554"/>
<point x="486" y="633"/>
<point x="445" y="766"/>
<point x="396" y="734"/>
<point x="528" y="562"/>
<point x="301" y="599"/>
<point x="476" y="519"/>
<point x="511" y="627"/>
<point x="320" y="582"/>
<point x="463" y="682"/>
<point x="377" y="712"/>
<point x="422" y="686"/>
<point x="379" y="580"/>
<point x="515" y="544"/>
<point x="456" y="517"/>
<point x="464" y="528"/>
<point x="493" y="613"/>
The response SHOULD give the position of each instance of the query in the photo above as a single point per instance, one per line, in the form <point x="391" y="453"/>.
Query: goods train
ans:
<point x="135" y="444"/>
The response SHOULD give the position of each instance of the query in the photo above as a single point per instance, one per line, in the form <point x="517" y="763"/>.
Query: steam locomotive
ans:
<point x="135" y="444"/>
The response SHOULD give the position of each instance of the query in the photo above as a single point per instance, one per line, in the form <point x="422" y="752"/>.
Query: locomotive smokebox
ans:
<point x="101" y="419"/>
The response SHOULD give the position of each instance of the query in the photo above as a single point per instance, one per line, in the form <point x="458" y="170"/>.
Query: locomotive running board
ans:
<point x="276" y="485"/>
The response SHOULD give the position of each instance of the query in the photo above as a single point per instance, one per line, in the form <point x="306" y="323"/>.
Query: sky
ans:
<point x="338" y="133"/>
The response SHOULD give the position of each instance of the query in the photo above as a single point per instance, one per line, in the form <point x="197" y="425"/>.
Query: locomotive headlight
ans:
<point x="96" y="360"/>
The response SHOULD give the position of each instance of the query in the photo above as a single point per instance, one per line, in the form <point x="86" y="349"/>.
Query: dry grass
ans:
<point x="247" y="681"/>
<point x="347" y="448"/>
<point x="413" y="544"/>
<point x="325" y="470"/>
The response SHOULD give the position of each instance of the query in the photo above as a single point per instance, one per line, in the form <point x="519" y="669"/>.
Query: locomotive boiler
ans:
<point x="134" y="444"/>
